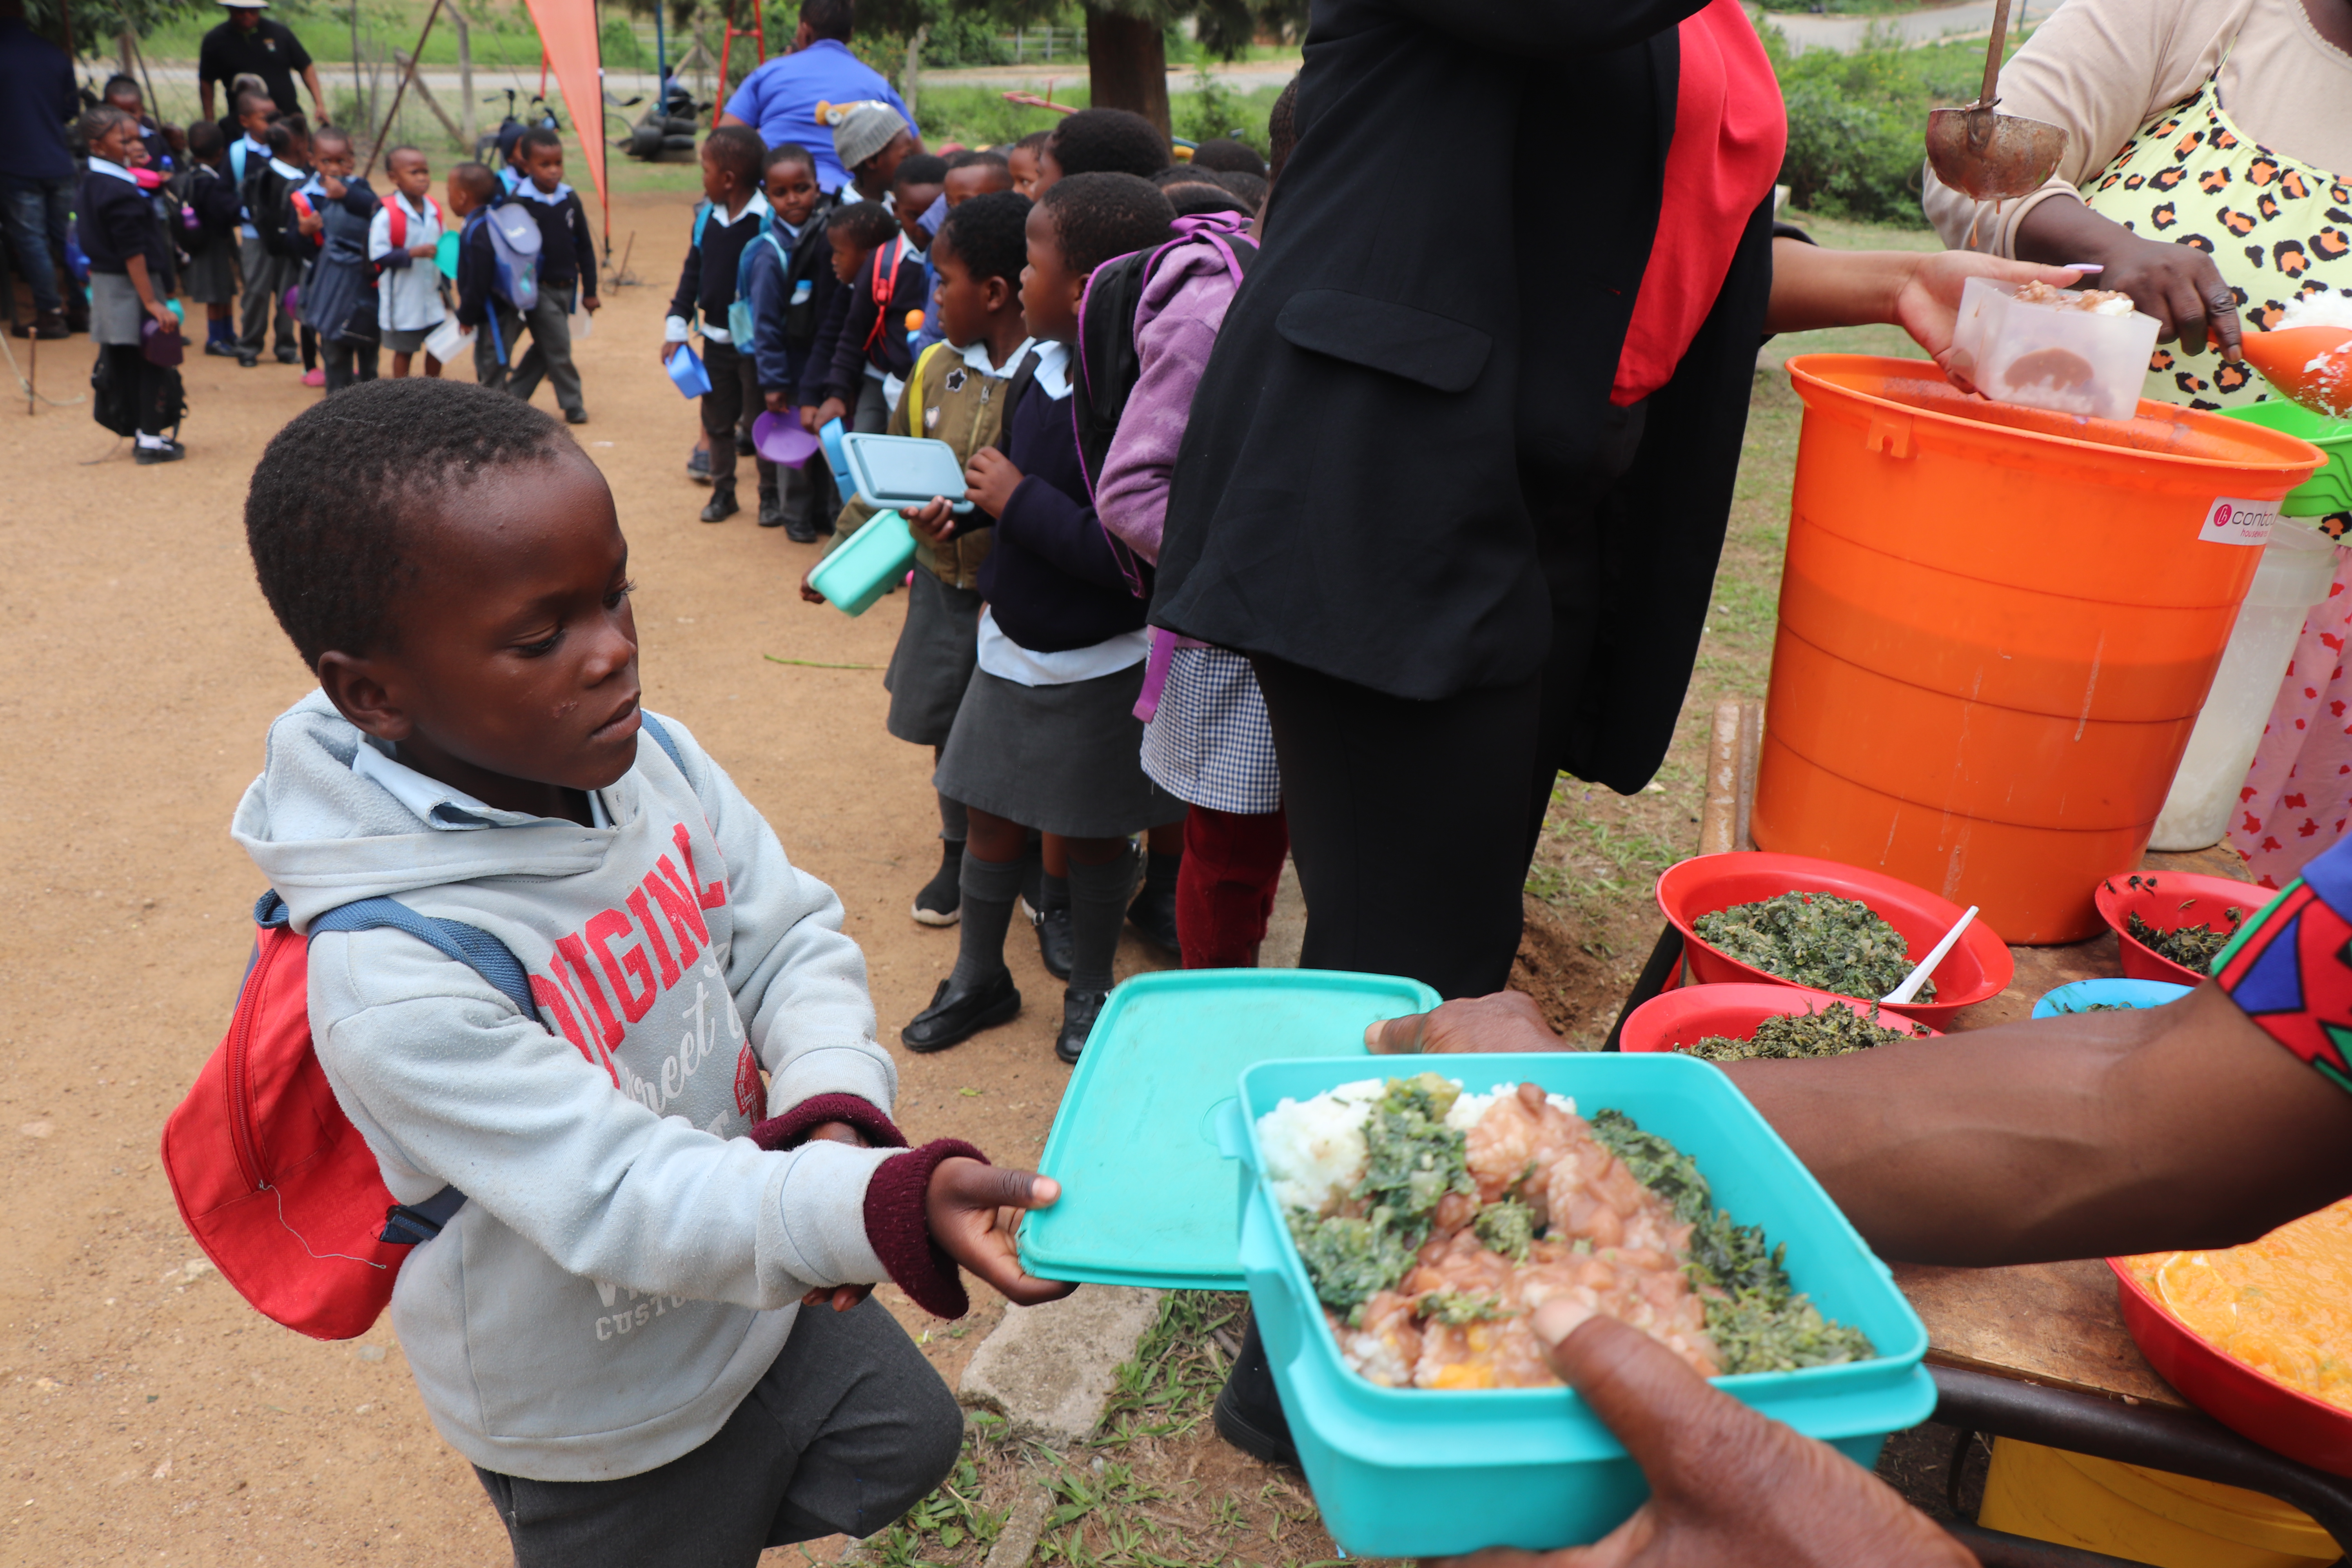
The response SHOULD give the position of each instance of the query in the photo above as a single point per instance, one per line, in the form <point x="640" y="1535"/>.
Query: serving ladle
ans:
<point x="1993" y="157"/>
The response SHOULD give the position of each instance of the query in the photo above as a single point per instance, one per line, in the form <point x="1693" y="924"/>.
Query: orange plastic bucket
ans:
<point x="1997" y="627"/>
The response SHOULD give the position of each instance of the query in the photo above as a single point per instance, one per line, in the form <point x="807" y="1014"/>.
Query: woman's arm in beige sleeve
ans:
<point x="2098" y="69"/>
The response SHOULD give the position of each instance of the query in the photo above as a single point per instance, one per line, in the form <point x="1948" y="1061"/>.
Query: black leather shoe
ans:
<point x="1080" y="1011"/>
<point x="952" y="1019"/>
<point x="221" y="350"/>
<point x="1054" y="943"/>
<point x="575" y="416"/>
<point x="800" y="532"/>
<point x="246" y="359"/>
<point x="148" y="456"/>
<point x="771" y="509"/>
<point x="1248" y="1412"/>
<point x="940" y="903"/>
<point x="289" y="356"/>
<point x="721" y="506"/>
<point x="1153" y="913"/>
<point x="743" y="447"/>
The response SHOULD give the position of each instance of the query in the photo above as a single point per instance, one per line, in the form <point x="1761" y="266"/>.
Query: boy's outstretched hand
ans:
<point x="972" y="1210"/>
<point x="808" y="591"/>
<point x="989" y="480"/>
<point x="1728" y="1487"/>
<point x="931" y="522"/>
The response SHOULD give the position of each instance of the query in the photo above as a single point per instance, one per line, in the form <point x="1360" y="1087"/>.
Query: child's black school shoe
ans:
<point x="954" y="1017"/>
<point x="575" y="416"/>
<point x="1248" y="1413"/>
<point x="222" y="349"/>
<point x="246" y="359"/>
<point x="47" y="326"/>
<point x="771" y="509"/>
<point x="800" y="532"/>
<point x="1153" y="913"/>
<point x="289" y="356"/>
<point x="1054" y="941"/>
<point x="147" y="455"/>
<point x="743" y="447"/>
<point x="698" y="464"/>
<point x="1080" y="1011"/>
<point x="722" y="506"/>
<point x="940" y="903"/>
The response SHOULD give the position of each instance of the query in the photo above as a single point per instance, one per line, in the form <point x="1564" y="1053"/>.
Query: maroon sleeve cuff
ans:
<point x="794" y="1125"/>
<point x="900" y="1233"/>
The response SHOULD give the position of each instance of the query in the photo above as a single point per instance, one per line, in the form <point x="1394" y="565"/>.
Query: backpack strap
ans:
<point x="662" y="738"/>
<point x="701" y="222"/>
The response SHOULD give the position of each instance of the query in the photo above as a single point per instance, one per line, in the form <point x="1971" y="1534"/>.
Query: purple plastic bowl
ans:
<point x="781" y="439"/>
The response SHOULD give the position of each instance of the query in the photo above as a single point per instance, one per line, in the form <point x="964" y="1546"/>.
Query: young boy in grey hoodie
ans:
<point x="691" y="1142"/>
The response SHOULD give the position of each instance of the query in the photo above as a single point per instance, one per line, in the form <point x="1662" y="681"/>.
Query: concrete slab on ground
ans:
<point x="1049" y="1371"/>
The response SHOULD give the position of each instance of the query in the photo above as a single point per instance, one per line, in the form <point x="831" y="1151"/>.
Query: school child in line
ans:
<point x="567" y="270"/>
<point x="872" y="356"/>
<point x="472" y="190"/>
<point x="210" y="277"/>
<point x="915" y="193"/>
<point x="404" y="238"/>
<point x="855" y="233"/>
<point x="957" y="395"/>
<point x="1021" y="162"/>
<point x="264" y="275"/>
<point x="623" y="1323"/>
<point x="268" y="200"/>
<point x="336" y="209"/>
<point x="1101" y="142"/>
<point x="786" y="288"/>
<point x="727" y="219"/>
<point x="1047" y="736"/>
<point x="871" y="140"/>
<point x="129" y="275"/>
<point x="970" y="172"/>
<point x="122" y="92"/>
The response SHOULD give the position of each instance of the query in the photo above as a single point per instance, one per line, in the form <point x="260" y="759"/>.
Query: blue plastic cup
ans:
<point x="685" y="368"/>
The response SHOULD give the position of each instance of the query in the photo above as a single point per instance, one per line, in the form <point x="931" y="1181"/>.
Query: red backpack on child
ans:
<point x="272" y="1179"/>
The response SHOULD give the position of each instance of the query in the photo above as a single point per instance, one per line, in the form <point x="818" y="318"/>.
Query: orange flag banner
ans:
<point x="567" y="33"/>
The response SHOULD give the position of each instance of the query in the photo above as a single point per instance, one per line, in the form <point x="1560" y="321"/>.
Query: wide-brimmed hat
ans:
<point x="246" y="5"/>
<point x="864" y="129"/>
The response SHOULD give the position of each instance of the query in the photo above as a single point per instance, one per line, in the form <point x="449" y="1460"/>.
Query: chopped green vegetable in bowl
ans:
<point x="1816" y="940"/>
<point x="2191" y="947"/>
<point x="1832" y="1031"/>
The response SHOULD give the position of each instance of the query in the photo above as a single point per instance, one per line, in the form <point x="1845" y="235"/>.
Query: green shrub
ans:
<point x="1858" y="123"/>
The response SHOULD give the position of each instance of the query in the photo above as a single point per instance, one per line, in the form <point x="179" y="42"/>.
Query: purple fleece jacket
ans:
<point x="1176" y="325"/>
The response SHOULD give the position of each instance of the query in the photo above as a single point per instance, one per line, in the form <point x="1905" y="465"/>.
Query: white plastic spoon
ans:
<point x="1918" y="977"/>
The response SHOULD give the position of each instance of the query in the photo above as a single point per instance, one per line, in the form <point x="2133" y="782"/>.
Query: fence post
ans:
<point x="466" y="122"/>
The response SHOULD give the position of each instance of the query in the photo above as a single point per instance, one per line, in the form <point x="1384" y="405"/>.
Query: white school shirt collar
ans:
<point x="1052" y="370"/>
<point x="528" y="191"/>
<point x="757" y="204"/>
<point x="260" y="147"/>
<point x="440" y="804"/>
<point x="288" y="170"/>
<point x="975" y="355"/>
<point x="112" y="171"/>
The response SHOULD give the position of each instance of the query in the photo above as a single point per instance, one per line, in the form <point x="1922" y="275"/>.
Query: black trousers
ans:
<point x="733" y="399"/>
<point x="349" y="361"/>
<point x="849" y="1429"/>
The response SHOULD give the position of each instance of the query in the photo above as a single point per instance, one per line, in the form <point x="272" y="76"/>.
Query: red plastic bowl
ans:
<point x="2169" y="900"/>
<point x="2253" y="1404"/>
<point x="1978" y="969"/>
<point x="1674" y="1019"/>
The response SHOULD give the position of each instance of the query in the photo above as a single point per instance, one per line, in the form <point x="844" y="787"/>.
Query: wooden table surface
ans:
<point x="2052" y="1323"/>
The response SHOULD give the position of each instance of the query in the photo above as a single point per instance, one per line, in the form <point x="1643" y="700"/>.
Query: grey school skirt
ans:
<point x="406" y="339"/>
<point x="933" y="661"/>
<point x="1060" y="759"/>
<point x="115" y="312"/>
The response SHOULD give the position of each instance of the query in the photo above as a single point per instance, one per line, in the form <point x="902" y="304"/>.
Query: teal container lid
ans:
<point x="1148" y="1198"/>
<point x="2329" y="489"/>
<point x="445" y="255"/>
<point x="861" y="569"/>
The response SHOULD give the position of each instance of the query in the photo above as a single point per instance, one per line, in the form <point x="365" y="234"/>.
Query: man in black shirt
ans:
<point x="248" y="41"/>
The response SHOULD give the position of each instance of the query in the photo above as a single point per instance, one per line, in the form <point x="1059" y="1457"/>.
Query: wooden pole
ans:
<point x="407" y="62"/>
<point x="397" y="91"/>
<point x="466" y="109"/>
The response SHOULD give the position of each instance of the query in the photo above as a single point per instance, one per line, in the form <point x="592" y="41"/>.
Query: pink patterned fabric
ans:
<point x="2297" y="797"/>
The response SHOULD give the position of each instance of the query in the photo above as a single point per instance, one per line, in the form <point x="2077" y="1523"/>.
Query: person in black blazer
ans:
<point x="1462" y="502"/>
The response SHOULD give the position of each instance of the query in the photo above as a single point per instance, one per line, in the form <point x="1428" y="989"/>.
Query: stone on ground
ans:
<point x="1049" y="1371"/>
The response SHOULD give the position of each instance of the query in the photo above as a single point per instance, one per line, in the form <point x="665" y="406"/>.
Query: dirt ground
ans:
<point x="146" y="1413"/>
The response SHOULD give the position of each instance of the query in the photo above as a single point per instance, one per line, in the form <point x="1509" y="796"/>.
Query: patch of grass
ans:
<point x="1178" y="1367"/>
<point x="950" y="1528"/>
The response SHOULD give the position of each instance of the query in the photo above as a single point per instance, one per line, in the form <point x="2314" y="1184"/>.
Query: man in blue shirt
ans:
<point x="36" y="170"/>
<point x="779" y="99"/>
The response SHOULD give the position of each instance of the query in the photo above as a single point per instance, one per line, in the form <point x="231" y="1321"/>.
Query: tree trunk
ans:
<point x="1127" y="65"/>
<point x="466" y="122"/>
<point x="122" y="53"/>
<point x="911" y="78"/>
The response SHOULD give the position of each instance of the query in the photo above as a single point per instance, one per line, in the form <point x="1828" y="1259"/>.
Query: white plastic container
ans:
<point x="447" y="341"/>
<point x="2047" y="356"/>
<point x="2298" y="565"/>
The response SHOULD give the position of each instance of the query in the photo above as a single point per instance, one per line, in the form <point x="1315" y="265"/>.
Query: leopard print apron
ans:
<point x="2276" y="228"/>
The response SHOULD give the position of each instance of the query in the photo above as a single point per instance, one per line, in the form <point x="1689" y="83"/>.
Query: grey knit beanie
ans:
<point x="863" y="130"/>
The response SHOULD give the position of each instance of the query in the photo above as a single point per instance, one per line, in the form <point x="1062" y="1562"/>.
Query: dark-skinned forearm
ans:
<point x="2097" y="1134"/>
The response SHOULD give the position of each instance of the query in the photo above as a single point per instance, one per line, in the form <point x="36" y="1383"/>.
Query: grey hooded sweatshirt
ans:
<point x="628" y="1262"/>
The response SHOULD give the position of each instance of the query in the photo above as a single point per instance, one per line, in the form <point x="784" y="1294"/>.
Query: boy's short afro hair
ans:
<point x="333" y="515"/>
<point x="736" y="147"/>
<point x="919" y="169"/>
<point x="1098" y="217"/>
<point x="1223" y="153"/>
<point x="989" y="234"/>
<point x="864" y="223"/>
<point x="539" y="136"/>
<point x="1108" y="141"/>
<point x="477" y="181"/>
<point x="786" y="152"/>
<point x="1251" y="188"/>
<point x="1202" y="195"/>
<point x="966" y="157"/>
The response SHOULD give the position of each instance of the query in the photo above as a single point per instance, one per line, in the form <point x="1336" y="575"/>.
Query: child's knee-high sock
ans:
<point x="955" y="821"/>
<point x="988" y="888"/>
<point x="1098" y="909"/>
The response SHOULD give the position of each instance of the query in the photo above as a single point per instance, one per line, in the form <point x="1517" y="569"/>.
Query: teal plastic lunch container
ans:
<point x="1148" y="1195"/>
<point x="865" y="565"/>
<point x="1402" y="1472"/>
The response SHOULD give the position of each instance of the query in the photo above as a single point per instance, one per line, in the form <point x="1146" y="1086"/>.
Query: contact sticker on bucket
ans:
<point x="2231" y="520"/>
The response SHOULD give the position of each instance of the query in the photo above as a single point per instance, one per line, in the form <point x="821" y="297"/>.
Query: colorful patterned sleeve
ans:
<point x="2290" y="969"/>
